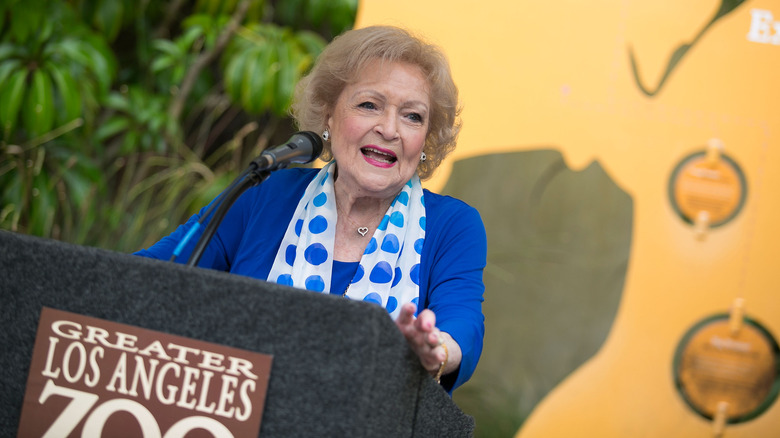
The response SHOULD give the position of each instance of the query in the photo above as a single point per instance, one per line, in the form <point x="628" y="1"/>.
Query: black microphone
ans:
<point x="302" y="147"/>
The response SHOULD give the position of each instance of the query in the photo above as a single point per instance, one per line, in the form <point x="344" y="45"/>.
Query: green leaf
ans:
<point x="317" y="10"/>
<point x="67" y="90"/>
<point x="186" y="40"/>
<point x="79" y="186"/>
<point x="43" y="206"/>
<point x="8" y="51"/>
<point x="91" y="55"/>
<point x="162" y="63"/>
<point x="101" y="66"/>
<point x="13" y="190"/>
<point x="11" y="100"/>
<point x="130" y="143"/>
<point x="198" y="20"/>
<point x="38" y="111"/>
<point x="257" y="78"/>
<point x="147" y="141"/>
<point x="342" y="15"/>
<point x="6" y="68"/>
<point x="157" y="122"/>
<point x="44" y="32"/>
<point x="289" y="11"/>
<point x="169" y="47"/>
<point x="112" y="127"/>
<point x="76" y="161"/>
<point x="312" y="43"/>
<point x="211" y="7"/>
<point x="178" y="72"/>
<point x="26" y="21"/>
<point x="108" y="18"/>
<point x="272" y="77"/>
<point x="286" y="78"/>
<point x="233" y="75"/>
<point x="117" y="102"/>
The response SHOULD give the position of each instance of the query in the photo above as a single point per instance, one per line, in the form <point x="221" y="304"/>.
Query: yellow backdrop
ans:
<point x="560" y="73"/>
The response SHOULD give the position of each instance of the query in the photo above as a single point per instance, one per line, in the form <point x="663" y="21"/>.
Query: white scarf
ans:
<point x="389" y="271"/>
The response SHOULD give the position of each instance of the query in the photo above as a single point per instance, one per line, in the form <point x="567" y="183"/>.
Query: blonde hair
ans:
<point x="343" y="60"/>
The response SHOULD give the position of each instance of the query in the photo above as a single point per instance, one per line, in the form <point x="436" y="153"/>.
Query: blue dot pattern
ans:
<point x="373" y="297"/>
<point x="371" y="247"/>
<point x="397" y="219"/>
<point x="392" y="304"/>
<point x="361" y="271"/>
<point x="381" y="273"/>
<point x="285" y="279"/>
<point x="320" y="200"/>
<point x="383" y="223"/>
<point x="289" y="254"/>
<point x="386" y="275"/>
<point x="318" y="225"/>
<point x="315" y="283"/>
<point x="398" y="276"/>
<point x="390" y="244"/>
<point x="418" y="246"/>
<point x="316" y="254"/>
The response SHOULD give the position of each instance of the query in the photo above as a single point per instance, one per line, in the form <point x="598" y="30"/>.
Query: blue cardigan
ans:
<point x="452" y="260"/>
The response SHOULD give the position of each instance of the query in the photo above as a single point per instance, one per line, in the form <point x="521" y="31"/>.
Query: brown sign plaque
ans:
<point x="91" y="377"/>
<point x="715" y="364"/>
<point x="707" y="186"/>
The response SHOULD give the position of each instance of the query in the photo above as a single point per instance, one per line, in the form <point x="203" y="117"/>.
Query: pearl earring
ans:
<point x="326" y="135"/>
<point x="423" y="157"/>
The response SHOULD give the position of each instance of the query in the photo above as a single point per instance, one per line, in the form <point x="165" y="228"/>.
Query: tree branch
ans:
<point x="205" y="58"/>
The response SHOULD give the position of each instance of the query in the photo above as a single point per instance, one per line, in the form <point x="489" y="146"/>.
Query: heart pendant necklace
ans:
<point x="361" y="230"/>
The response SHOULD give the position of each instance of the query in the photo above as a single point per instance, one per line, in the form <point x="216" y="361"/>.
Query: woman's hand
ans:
<point x="428" y="341"/>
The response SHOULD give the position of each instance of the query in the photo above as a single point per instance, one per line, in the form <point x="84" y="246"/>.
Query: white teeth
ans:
<point x="390" y="158"/>
<point x="377" y="151"/>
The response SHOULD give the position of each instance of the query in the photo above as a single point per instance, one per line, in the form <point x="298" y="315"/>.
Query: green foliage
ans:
<point x="118" y="118"/>
<point x="333" y="16"/>
<point x="263" y="65"/>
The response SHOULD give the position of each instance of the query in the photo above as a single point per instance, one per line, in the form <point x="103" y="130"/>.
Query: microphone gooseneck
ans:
<point x="302" y="147"/>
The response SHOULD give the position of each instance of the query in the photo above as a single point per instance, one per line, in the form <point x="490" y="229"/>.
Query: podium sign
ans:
<point x="92" y="377"/>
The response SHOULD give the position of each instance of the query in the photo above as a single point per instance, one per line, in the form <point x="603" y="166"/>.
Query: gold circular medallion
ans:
<point x="714" y="364"/>
<point x="703" y="185"/>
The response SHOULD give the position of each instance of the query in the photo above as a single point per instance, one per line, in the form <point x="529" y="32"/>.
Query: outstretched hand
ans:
<point x="427" y="341"/>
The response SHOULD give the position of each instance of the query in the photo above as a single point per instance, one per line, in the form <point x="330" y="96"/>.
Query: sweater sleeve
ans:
<point x="240" y="222"/>
<point x="457" y="254"/>
<point x="218" y="253"/>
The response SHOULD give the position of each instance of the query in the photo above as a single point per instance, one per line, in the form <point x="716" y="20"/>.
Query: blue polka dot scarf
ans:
<point x="389" y="271"/>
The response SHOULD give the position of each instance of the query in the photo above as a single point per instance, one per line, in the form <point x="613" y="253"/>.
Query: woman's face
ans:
<point x="378" y="128"/>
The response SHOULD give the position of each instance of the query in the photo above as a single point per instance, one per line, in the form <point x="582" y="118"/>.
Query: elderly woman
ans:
<point x="362" y="226"/>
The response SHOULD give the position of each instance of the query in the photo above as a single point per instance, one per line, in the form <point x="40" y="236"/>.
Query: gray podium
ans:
<point x="340" y="368"/>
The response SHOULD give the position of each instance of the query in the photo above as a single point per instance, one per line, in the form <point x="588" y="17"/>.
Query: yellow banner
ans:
<point x="677" y="101"/>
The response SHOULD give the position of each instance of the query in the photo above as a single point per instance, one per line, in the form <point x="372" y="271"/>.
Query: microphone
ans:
<point x="303" y="147"/>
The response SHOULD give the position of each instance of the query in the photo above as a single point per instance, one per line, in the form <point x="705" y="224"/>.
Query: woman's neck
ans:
<point x="359" y="207"/>
<point x="358" y="218"/>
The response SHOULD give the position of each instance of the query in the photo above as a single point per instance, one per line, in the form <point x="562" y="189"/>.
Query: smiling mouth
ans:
<point x="377" y="155"/>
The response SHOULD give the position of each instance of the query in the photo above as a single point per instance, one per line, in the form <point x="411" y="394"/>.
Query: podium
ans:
<point x="340" y="368"/>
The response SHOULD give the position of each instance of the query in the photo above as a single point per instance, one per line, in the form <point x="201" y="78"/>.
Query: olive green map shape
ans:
<point x="558" y="248"/>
